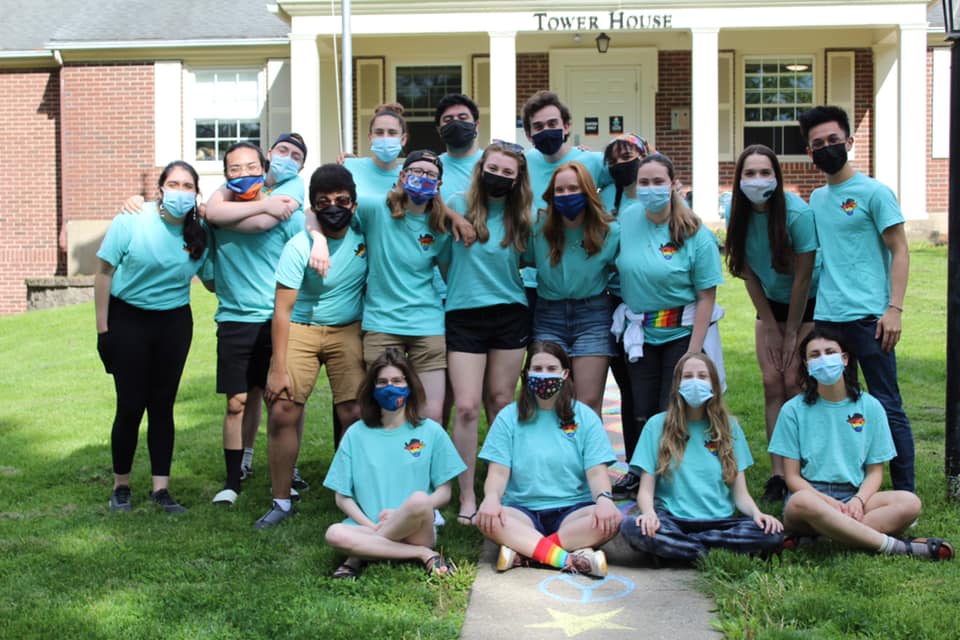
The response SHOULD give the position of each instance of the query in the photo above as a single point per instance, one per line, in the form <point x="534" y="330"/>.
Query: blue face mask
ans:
<point x="391" y="398"/>
<point x="387" y="149"/>
<point x="695" y="391"/>
<point x="178" y="203"/>
<point x="548" y="141"/>
<point x="420" y="188"/>
<point x="283" y="168"/>
<point x="570" y="205"/>
<point x="827" y="369"/>
<point x="654" y="199"/>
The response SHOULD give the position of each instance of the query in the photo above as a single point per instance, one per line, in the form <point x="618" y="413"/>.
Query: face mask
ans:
<point x="497" y="186"/>
<point x="830" y="159"/>
<point x="282" y="168"/>
<point x="544" y="385"/>
<point x="246" y="187"/>
<point x="391" y="398"/>
<point x="695" y="391"/>
<point x="334" y="218"/>
<point x="827" y="369"/>
<point x="654" y="199"/>
<point x="420" y="188"/>
<point x="758" y="190"/>
<point x="548" y="141"/>
<point x="387" y="149"/>
<point x="178" y="203"/>
<point x="458" y="134"/>
<point x="625" y="173"/>
<point x="570" y="205"/>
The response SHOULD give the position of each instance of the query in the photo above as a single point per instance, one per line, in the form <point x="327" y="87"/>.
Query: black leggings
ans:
<point x="145" y="351"/>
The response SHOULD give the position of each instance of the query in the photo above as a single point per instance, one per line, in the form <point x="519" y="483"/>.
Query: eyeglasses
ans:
<point x="341" y="201"/>
<point x="417" y="171"/>
<point x="829" y="141"/>
<point x="509" y="146"/>
<point x="399" y="381"/>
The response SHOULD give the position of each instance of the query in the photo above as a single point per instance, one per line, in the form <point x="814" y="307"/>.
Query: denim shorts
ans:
<point x="548" y="521"/>
<point x="842" y="491"/>
<point x="581" y="327"/>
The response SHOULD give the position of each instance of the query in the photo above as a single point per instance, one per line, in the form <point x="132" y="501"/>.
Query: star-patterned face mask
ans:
<point x="544" y="385"/>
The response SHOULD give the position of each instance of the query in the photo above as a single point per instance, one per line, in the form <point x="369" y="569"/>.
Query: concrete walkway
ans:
<point x="634" y="598"/>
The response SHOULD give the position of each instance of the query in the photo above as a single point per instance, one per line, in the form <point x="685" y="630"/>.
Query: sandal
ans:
<point x="347" y="571"/>
<point x="938" y="548"/>
<point x="438" y="566"/>
<point x="466" y="520"/>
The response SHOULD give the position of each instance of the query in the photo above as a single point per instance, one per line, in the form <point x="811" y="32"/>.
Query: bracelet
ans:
<point x="893" y="306"/>
<point x="604" y="494"/>
<point x="862" y="503"/>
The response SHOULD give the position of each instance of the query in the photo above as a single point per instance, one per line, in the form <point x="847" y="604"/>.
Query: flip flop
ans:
<point x="437" y="565"/>
<point x="469" y="519"/>
<point x="347" y="572"/>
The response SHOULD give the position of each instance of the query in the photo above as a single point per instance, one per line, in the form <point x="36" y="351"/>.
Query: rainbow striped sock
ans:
<point x="550" y="554"/>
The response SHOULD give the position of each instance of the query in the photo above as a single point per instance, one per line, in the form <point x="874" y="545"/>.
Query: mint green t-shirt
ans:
<point x="457" y="173"/>
<point x="695" y="489"/>
<point x="548" y="462"/>
<point x="833" y="440"/>
<point x="541" y="170"/>
<point x="380" y="468"/>
<point x="577" y="276"/>
<point x="608" y="198"/>
<point x="485" y="273"/>
<point x="801" y="236"/>
<point x="153" y="267"/>
<point x="851" y="218"/>
<point x="656" y="275"/>
<point x="371" y="180"/>
<point x="402" y="253"/>
<point x="336" y="299"/>
<point x="292" y="188"/>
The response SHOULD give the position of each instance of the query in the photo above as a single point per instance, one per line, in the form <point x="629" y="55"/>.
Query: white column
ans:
<point x="913" y="121"/>
<point x="305" y="95"/>
<point x="167" y="112"/>
<point x="503" y="85"/>
<point x="705" y="122"/>
<point x="886" y="119"/>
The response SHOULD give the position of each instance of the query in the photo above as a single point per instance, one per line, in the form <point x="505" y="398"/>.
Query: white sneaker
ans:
<point x="294" y="495"/>
<point x="225" y="496"/>
<point x="589" y="562"/>
<point x="438" y="520"/>
<point x="506" y="558"/>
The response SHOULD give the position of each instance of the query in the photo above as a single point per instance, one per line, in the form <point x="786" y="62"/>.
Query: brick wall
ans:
<point x="29" y="203"/>
<point x="938" y="169"/>
<point x="533" y="74"/>
<point x="674" y="72"/>
<point x="107" y="138"/>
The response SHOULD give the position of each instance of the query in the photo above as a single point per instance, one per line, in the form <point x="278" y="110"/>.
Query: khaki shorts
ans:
<point x="309" y="347"/>
<point x="426" y="353"/>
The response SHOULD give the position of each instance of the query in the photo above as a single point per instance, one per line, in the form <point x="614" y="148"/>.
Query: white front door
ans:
<point x="605" y="102"/>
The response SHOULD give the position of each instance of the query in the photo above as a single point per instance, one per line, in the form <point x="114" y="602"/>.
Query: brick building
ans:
<point x="91" y="107"/>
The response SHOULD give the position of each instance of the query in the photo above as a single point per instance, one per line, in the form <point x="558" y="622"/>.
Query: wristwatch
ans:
<point x="604" y="494"/>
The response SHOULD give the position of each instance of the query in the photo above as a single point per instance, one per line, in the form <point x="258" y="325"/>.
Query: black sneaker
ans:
<point x="626" y="486"/>
<point x="298" y="482"/>
<point x="775" y="490"/>
<point x="163" y="499"/>
<point x="274" y="516"/>
<point x="120" y="499"/>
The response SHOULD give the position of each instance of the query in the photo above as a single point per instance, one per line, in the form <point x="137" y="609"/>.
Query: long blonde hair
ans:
<point x="683" y="221"/>
<point x="676" y="434"/>
<point x="516" y="209"/>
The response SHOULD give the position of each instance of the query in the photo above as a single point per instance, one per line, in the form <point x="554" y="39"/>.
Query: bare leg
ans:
<point x="233" y="421"/>
<point x="435" y="386"/>
<point x="348" y="412"/>
<point x="407" y="534"/>
<point x="466" y="378"/>
<point x="500" y="380"/>
<point x="283" y="445"/>
<point x="252" y="415"/>
<point x="518" y="533"/>
<point x="774" y="394"/>
<point x="590" y="374"/>
<point x="577" y="531"/>
<point x="895" y="510"/>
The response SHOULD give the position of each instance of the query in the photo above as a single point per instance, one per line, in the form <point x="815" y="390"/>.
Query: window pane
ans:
<point x="769" y="82"/>
<point x="758" y="135"/>
<point x="805" y="97"/>
<point x="788" y="82"/>
<point x="206" y="151"/>
<point x="793" y="142"/>
<point x="227" y="129"/>
<point x="805" y="81"/>
<point x="420" y="88"/>
<point x="752" y="97"/>
<point x="752" y="82"/>
<point x="752" y="115"/>
<point x="205" y="129"/>
<point x="768" y="114"/>
<point x="751" y="67"/>
<point x="771" y="68"/>
<point x="250" y="129"/>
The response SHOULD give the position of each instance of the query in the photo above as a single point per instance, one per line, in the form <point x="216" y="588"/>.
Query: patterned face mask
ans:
<point x="544" y="385"/>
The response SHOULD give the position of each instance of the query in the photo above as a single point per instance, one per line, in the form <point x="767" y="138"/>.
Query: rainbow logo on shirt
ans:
<point x="849" y="206"/>
<point x="857" y="421"/>
<point x="668" y="250"/>
<point x="426" y="241"/>
<point x="711" y="446"/>
<point x="570" y="430"/>
<point x="414" y="447"/>
<point x="361" y="250"/>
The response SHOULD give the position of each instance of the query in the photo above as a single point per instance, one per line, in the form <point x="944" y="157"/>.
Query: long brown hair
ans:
<point x="683" y="221"/>
<point x="370" y="411"/>
<point x="516" y="208"/>
<point x="596" y="221"/>
<point x="398" y="200"/>
<point x="781" y="253"/>
<point x="527" y="402"/>
<point x="676" y="434"/>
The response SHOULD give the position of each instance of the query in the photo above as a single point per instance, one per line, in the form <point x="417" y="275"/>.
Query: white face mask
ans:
<point x="758" y="190"/>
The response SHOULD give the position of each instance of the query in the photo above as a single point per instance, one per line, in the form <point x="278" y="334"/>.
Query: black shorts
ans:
<point x="781" y="311"/>
<point x="243" y="356"/>
<point x="500" y="326"/>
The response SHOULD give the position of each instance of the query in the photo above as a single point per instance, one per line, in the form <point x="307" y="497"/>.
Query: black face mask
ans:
<point x="625" y="173"/>
<point x="548" y="141"/>
<point x="830" y="159"/>
<point x="334" y="217"/>
<point x="458" y="134"/>
<point x="497" y="186"/>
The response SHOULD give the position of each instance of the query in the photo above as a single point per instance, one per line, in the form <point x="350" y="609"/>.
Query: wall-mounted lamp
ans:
<point x="603" y="43"/>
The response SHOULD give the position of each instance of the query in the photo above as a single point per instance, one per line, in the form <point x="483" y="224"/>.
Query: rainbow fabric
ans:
<point x="666" y="319"/>
<point x="550" y="554"/>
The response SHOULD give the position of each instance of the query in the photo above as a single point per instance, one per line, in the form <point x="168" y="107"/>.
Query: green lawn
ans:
<point x="69" y="568"/>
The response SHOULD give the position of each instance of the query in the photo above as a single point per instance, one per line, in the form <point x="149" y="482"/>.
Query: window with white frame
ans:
<point x="777" y="89"/>
<point x="419" y="89"/>
<point x="228" y="107"/>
